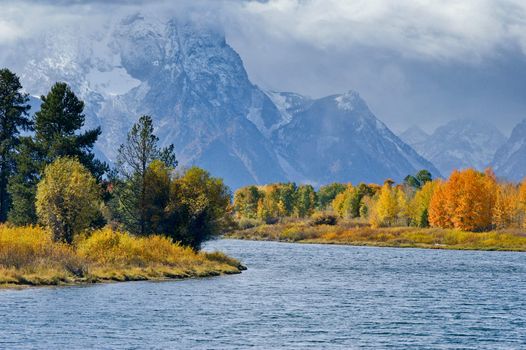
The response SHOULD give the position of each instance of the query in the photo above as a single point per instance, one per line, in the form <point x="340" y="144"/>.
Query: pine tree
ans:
<point x="134" y="158"/>
<point x="13" y="118"/>
<point x="57" y="127"/>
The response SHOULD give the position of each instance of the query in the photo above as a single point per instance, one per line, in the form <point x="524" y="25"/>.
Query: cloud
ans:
<point x="414" y="61"/>
<point x="465" y="30"/>
<point x="442" y="30"/>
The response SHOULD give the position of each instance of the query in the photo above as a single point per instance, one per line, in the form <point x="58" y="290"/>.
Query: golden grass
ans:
<point x="28" y="256"/>
<point x="353" y="233"/>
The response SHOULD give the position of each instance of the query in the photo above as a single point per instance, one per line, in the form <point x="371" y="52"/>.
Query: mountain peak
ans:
<point x="349" y="100"/>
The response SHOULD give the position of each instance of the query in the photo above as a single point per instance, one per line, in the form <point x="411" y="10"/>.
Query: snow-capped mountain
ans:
<point x="459" y="144"/>
<point x="196" y="88"/>
<point x="337" y="138"/>
<point x="510" y="159"/>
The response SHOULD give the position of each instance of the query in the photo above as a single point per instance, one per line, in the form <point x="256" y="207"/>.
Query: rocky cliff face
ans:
<point x="195" y="87"/>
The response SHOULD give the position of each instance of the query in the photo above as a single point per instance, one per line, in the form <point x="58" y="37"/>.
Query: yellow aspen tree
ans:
<point x="506" y="211"/>
<point x="403" y="204"/>
<point x="387" y="206"/>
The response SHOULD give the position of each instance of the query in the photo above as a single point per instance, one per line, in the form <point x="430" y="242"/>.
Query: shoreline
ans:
<point x="393" y="237"/>
<point x="160" y="274"/>
<point x="377" y="245"/>
<point x="30" y="257"/>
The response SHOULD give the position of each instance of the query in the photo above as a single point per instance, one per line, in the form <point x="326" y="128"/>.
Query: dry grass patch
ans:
<point x="28" y="256"/>
<point x="356" y="233"/>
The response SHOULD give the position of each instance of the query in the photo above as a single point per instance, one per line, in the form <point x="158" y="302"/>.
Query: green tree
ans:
<point x="57" y="134"/>
<point x="158" y="181"/>
<point x="199" y="207"/>
<point x="327" y="193"/>
<point x="68" y="198"/>
<point x="419" y="180"/>
<point x="286" y="198"/>
<point x="305" y="201"/>
<point x="134" y="158"/>
<point x="13" y="118"/>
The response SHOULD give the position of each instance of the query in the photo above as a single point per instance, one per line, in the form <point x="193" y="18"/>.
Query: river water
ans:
<point x="293" y="296"/>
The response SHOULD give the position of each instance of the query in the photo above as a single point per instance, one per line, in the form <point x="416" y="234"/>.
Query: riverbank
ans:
<point x="361" y="234"/>
<point x="29" y="257"/>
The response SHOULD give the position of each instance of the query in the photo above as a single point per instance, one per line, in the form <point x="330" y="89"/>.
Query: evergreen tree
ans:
<point x="133" y="161"/>
<point x="13" y="119"/>
<point x="57" y="127"/>
<point x="419" y="180"/>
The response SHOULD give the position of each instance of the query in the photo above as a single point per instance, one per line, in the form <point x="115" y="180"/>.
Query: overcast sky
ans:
<point x="414" y="62"/>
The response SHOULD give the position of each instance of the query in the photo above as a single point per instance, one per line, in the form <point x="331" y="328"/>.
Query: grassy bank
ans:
<point x="356" y="233"/>
<point x="28" y="256"/>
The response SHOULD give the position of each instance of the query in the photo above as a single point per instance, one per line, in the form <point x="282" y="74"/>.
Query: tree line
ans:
<point x="468" y="200"/>
<point x="49" y="175"/>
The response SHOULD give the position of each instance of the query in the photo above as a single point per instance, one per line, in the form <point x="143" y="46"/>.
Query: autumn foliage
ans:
<point x="465" y="201"/>
<point x="469" y="200"/>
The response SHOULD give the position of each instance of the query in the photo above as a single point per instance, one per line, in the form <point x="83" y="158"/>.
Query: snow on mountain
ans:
<point x="459" y="144"/>
<point x="337" y="138"/>
<point x="195" y="86"/>
<point x="510" y="159"/>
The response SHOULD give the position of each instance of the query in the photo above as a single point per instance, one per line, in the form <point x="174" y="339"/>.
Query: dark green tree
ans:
<point x="13" y="118"/>
<point x="58" y="133"/>
<point x="418" y="180"/>
<point x="134" y="158"/>
<point x="424" y="176"/>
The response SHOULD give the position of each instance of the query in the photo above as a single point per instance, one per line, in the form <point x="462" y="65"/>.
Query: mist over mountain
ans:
<point x="510" y="159"/>
<point x="459" y="144"/>
<point x="414" y="136"/>
<point x="195" y="86"/>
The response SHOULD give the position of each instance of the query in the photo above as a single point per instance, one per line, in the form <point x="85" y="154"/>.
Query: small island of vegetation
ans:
<point x="66" y="217"/>
<point x="470" y="210"/>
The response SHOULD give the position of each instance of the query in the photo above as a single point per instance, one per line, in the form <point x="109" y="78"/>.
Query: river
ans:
<point x="293" y="296"/>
